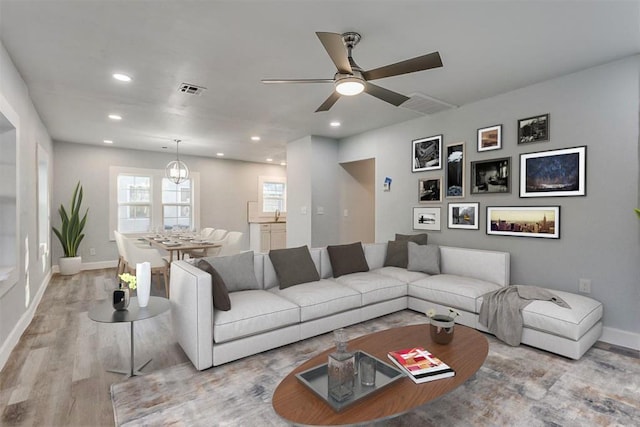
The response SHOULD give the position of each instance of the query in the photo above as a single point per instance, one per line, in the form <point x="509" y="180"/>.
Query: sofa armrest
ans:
<point x="192" y="312"/>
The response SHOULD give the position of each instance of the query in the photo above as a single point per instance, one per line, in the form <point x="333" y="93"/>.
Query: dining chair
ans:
<point x="122" y="258"/>
<point x="136" y="254"/>
<point x="216" y="237"/>
<point x="230" y="245"/>
<point x="206" y="232"/>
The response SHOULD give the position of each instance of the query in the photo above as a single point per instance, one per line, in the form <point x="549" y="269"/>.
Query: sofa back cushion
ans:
<point x="491" y="266"/>
<point x="237" y="271"/>
<point x="375" y="254"/>
<point x="293" y="266"/>
<point x="346" y="259"/>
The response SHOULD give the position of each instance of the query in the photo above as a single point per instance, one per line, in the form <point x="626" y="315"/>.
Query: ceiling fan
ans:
<point x="352" y="80"/>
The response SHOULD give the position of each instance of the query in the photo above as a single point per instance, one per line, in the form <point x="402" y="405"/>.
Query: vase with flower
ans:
<point x="442" y="325"/>
<point x="121" y="296"/>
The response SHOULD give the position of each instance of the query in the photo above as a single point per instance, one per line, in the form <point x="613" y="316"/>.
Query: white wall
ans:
<point x="225" y="188"/>
<point x="600" y="234"/>
<point x="18" y="299"/>
<point x="325" y="202"/>
<point x="357" y="198"/>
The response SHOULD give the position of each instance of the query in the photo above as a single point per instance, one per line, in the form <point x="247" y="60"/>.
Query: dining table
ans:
<point x="179" y="244"/>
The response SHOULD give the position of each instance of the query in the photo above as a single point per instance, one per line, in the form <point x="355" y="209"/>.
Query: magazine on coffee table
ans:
<point x="420" y="365"/>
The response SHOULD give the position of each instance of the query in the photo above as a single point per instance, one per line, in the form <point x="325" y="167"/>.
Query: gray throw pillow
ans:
<point x="219" y="291"/>
<point x="420" y="239"/>
<point x="346" y="259"/>
<point x="424" y="258"/>
<point x="236" y="271"/>
<point x="293" y="266"/>
<point x="397" y="254"/>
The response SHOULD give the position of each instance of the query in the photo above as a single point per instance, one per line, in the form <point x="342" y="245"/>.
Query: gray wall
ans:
<point x="18" y="298"/>
<point x="600" y="234"/>
<point x="225" y="188"/>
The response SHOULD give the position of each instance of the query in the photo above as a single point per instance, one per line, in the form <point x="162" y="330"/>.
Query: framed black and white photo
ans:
<point x="429" y="190"/>
<point x="426" y="218"/>
<point x="533" y="129"/>
<point x="464" y="215"/>
<point x="524" y="221"/>
<point x="491" y="176"/>
<point x="427" y="154"/>
<point x="455" y="170"/>
<point x="490" y="138"/>
<point x="554" y="173"/>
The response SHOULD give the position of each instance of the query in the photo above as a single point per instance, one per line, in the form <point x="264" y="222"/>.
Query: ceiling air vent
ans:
<point x="191" y="89"/>
<point x="426" y="104"/>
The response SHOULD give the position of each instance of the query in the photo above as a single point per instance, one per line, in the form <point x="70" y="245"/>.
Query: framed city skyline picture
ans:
<point x="426" y="154"/>
<point x="554" y="173"/>
<point x="464" y="215"/>
<point x="426" y="219"/>
<point x="524" y="221"/>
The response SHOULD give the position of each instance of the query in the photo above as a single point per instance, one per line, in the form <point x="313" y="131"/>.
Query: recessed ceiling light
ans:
<point x="283" y="163"/>
<point x="220" y="154"/>
<point x="269" y="160"/>
<point x="115" y="117"/>
<point x="121" y="77"/>
<point x="334" y="124"/>
<point x="255" y="138"/>
<point x="107" y="141"/>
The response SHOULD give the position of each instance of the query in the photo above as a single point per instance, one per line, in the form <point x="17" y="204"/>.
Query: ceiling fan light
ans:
<point x="349" y="86"/>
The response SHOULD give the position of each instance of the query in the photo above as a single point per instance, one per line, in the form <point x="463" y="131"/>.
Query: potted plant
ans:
<point x="441" y="328"/>
<point x="70" y="233"/>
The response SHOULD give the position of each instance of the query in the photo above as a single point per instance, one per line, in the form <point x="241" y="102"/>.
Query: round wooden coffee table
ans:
<point x="297" y="404"/>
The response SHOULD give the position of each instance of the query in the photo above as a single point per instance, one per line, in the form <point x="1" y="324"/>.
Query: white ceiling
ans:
<point x="66" y="51"/>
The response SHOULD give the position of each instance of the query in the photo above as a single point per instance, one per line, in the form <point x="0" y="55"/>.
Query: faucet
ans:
<point x="277" y="214"/>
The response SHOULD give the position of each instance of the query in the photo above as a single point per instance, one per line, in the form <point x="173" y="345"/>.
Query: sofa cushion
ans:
<point x="254" y="311"/>
<point x="346" y="259"/>
<point x="374" y="287"/>
<point x="320" y="299"/>
<point x="452" y="291"/>
<point x="293" y="266"/>
<point x="236" y="270"/>
<point x="219" y="291"/>
<point x="424" y="258"/>
<point x="570" y="323"/>
<point x="401" y="274"/>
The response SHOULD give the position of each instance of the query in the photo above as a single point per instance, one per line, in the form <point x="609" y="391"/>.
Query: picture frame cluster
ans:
<point x="558" y="172"/>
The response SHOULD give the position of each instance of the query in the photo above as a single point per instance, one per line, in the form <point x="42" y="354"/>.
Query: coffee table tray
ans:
<point x="317" y="380"/>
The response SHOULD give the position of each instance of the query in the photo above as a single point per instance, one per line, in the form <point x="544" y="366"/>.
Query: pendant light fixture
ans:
<point x="177" y="171"/>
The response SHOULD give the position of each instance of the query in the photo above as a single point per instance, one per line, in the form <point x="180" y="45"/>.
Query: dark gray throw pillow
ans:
<point x="293" y="266"/>
<point x="236" y="271"/>
<point x="420" y="239"/>
<point x="346" y="259"/>
<point x="219" y="292"/>
<point x="424" y="258"/>
<point x="397" y="254"/>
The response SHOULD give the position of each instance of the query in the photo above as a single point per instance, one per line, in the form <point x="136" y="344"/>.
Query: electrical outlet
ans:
<point x="584" y="285"/>
<point x="92" y="251"/>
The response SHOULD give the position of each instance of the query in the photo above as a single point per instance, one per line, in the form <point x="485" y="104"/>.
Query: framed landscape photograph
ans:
<point x="464" y="215"/>
<point x="491" y="176"/>
<point x="426" y="218"/>
<point x="533" y="129"/>
<point x="429" y="190"/>
<point x="530" y="221"/>
<point x="426" y="154"/>
<point x="455" y="170"/>
<point x="554" y="173"/>
<point x="490" y="138"/>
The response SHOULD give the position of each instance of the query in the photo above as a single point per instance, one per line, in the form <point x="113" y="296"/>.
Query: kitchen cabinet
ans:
<point x="266" y="236"/>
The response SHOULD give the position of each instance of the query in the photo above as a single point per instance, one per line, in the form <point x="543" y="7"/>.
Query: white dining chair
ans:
<point x="230" y="245"/>
<point x="216" y="236"/>
<point x="122" y="258"/>
<point x="136" y="254"/>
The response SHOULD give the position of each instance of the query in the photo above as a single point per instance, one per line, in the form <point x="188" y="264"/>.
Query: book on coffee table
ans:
<point x="420" y="365"/>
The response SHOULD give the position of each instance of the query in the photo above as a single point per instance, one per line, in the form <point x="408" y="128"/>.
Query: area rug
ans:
<point x="516" y="386"/>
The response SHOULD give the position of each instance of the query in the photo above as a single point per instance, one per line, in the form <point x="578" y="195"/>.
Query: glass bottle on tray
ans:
<point x="341" y="369"/>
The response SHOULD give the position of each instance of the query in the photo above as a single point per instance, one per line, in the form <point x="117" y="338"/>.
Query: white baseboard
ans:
<point x="25" y="320"/>
<point x="90" y="266"/>
<point x="622" y="338"/>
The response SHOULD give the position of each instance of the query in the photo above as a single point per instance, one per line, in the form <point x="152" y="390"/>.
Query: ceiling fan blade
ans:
<point x="328" y="103"/>
<point x="386" y="95"/>
<point x="336" y="49"/>
<point x="420" y="63"/>
<point x="269" y="81"/>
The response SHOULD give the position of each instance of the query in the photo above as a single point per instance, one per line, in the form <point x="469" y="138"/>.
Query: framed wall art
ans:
<point x="426" y="154"/>
<point x="490" y="138"/>
<point x="429" y="190"/>
<point x="464" y="215"/>
<point x="554" y="173"/>
<point x="491" y="176"/>
<point x="455" y="170"/>
<point x="530" y="221"/>
<point x="533" y="129"/>
<point x="426" y="218"/>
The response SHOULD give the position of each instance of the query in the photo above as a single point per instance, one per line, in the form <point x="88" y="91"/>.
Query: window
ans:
<point x="143" y="200"/>
<point x="272" y="194"/>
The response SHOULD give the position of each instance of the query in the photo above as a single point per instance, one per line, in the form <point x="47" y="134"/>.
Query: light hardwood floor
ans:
<point x="56" y="375"/>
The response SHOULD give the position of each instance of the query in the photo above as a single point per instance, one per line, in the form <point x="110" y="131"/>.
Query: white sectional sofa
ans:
<point x="269" y="317"/>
